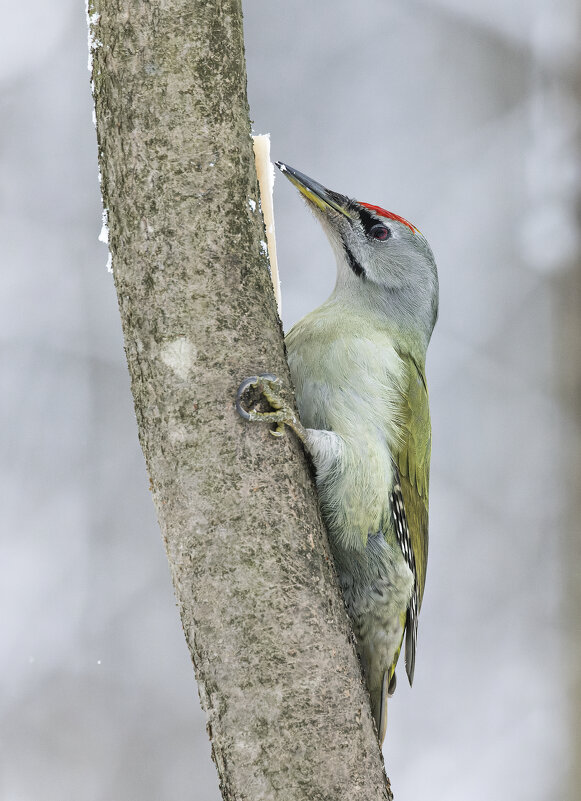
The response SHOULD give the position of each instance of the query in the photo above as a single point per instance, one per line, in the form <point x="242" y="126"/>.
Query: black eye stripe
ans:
<point x="367" y="219"/>
<point x="369" y="222"/>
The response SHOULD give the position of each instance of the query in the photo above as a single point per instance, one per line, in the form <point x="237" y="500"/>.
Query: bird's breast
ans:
<point x="348" y="382"/>
<point x="351" y="383"/>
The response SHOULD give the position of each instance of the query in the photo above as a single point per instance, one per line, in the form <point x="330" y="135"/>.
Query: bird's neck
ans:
<point x="388" y="312"/>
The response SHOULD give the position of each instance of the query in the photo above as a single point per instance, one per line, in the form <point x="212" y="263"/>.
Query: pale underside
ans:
<point x="350" y="392"/>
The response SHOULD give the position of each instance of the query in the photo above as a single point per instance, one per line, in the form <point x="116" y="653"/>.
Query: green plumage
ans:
<point x="413" y="461"/>
<point x="361" y="390"/>
<point x="357" y="364"/>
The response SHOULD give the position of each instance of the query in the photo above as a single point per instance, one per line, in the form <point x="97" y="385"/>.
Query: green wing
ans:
<point x="413" y="461"/>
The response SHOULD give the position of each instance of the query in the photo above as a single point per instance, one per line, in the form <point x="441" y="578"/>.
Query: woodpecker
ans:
<point x="358" y="367"/>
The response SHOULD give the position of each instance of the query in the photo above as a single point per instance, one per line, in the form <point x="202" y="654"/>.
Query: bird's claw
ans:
<point x="270" y="388"/>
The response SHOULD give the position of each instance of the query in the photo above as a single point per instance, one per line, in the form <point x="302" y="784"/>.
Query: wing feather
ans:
<point x="413" y="463"/>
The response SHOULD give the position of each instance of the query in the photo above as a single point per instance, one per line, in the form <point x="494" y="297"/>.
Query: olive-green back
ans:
<point x="413" y="461"/>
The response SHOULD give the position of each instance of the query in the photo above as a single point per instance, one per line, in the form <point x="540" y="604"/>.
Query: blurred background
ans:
<point x="464" y="117"/>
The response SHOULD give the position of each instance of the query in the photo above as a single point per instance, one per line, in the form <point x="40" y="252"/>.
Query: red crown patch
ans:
<point x="390" y="215"/>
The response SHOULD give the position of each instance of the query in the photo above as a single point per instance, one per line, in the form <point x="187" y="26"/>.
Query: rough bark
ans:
<point x="277" y="673"/>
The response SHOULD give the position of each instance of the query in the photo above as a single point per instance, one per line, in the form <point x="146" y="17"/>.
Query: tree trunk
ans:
<point x="278" y="677"/>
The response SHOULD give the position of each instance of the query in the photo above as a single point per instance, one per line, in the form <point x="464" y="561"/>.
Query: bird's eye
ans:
<point x="379" y="232"/>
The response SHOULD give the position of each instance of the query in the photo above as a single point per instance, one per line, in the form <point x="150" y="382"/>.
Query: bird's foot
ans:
<point x="271" y="389"/>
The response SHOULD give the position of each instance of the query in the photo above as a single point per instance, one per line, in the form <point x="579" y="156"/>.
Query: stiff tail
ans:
<point x="379" y="706"/>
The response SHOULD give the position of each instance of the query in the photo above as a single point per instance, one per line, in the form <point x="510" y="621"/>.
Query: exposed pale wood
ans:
<point x="265" y="174"/>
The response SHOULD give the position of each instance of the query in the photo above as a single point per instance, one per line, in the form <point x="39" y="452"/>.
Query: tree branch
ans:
<point x="287" y="714"/>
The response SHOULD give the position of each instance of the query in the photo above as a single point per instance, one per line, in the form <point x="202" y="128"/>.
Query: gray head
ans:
<point x="383" y="261"/>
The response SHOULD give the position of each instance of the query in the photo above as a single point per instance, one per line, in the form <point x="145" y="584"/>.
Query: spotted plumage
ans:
<point x="404" y="540"/>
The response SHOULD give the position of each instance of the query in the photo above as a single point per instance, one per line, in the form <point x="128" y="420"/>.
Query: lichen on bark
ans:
<point x="287" y="714"/>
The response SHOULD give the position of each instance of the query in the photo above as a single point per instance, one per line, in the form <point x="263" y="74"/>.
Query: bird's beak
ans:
<point x="316" y="193"/>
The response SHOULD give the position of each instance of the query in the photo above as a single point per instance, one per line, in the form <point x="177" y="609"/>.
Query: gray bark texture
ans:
<point x="278" y="677"/>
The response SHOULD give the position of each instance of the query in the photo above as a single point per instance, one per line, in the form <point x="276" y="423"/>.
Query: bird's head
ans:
<point x="382" y="260"/>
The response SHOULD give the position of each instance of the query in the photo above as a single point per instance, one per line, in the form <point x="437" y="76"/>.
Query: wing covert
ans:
<point x="413" y="464"/>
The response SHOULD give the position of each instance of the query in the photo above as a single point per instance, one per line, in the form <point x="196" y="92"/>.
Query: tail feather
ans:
<point x="379" y="706"/>
<point x="411" y="636"/>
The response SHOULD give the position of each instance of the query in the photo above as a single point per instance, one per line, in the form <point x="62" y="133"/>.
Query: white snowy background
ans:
<point x="462" y="116"/>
